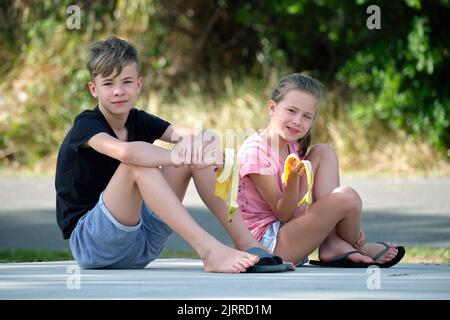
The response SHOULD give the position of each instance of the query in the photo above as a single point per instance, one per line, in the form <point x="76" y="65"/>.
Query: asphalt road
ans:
<point x="407" y="211"/>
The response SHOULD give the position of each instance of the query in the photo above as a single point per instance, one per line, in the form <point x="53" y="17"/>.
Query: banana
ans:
<point x="227" y="182"/>
<point x="289" y="164"/>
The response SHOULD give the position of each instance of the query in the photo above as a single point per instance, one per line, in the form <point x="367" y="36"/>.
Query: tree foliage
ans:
<point x="395" y="77"/>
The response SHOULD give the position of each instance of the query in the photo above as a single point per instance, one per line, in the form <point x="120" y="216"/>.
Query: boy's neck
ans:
<point x="115" y="121"/>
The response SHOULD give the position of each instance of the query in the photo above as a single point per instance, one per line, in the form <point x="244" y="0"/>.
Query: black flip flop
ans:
<point x="268" y="262"/>
<point x="400" y="254"/>
<point x="342" y="261"/>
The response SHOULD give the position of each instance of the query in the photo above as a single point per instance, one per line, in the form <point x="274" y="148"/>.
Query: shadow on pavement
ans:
<point x="37" y="229"/>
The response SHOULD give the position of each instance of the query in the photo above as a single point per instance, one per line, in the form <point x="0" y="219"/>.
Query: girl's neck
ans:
<point x="275" y="141"/>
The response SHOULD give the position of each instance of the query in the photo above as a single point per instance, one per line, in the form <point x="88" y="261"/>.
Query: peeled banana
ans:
<point x="227" y="182"/>
<point x="289" y="164"/>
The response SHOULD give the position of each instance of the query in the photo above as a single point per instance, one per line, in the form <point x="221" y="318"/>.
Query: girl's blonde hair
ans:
<point x="305" y="83"/>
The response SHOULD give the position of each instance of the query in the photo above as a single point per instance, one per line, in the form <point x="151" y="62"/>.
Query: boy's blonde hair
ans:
<point x="107" y="56"/>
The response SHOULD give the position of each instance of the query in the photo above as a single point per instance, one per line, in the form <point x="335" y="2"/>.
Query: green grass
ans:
<point x="171" y="253"/>
<point x="414" y="254"/>
<point x="427" y="254"/>
<point x="32" y="255"/>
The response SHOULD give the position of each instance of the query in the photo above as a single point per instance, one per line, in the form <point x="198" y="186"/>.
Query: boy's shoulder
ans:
<point x="88" y="113"/>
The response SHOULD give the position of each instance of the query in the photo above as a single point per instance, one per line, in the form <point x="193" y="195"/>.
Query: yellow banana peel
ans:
<point x="227" y="182"/>
<point x="289" y="164"/>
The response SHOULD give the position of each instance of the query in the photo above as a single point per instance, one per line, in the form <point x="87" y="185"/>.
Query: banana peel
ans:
<point x="227" y="182"/>
<point x="289" y="164"/>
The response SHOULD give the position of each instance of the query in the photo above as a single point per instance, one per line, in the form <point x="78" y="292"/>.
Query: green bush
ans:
<point x="387" y="80"/>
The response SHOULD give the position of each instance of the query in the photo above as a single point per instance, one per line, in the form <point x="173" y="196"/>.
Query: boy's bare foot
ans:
<point x="336" y="246"/>
<point x="221" y="258"/>
<point x="372" y="249"/>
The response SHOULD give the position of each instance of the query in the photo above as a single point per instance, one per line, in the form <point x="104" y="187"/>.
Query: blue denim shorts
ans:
<point x="100" y="241"/>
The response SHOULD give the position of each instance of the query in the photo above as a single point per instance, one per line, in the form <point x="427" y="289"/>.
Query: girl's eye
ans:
<point x="107" y="84"/>
<point x="291" y="110"/>
<point x="129" y="81"/>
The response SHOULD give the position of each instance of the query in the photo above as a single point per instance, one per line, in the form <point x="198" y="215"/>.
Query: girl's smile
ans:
<point x="293" y="131"/>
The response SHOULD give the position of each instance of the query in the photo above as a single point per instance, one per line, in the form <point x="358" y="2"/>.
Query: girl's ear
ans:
<point x="92" y="89"/>
<point x="271" y="105"/>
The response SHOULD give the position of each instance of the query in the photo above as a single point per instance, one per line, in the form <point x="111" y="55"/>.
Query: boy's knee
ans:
<point x="138" y="171"/>
<point x="349" y="198"/>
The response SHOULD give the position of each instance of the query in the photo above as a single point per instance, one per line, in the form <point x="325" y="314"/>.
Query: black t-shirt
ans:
<point x="82" y="174"/>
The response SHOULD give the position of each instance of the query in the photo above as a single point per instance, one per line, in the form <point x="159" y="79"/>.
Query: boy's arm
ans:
<point x="283" y="204"/>
<point x="137" y="152"/>
<point x="173" y="133"/>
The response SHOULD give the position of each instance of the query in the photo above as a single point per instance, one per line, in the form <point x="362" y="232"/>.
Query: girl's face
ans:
<point x="292" y="117"/>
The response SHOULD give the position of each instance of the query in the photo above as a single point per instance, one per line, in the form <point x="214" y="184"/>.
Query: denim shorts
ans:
<point x="100" y="241"/>
<point x="269" y="239"/>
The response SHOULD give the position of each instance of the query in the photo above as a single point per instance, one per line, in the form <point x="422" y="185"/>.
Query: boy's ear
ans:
<point x="92" y="89"/>
<point x="140" y="81"/>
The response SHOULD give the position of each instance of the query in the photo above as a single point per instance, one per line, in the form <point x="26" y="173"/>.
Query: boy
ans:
<point x="108" y="176"/>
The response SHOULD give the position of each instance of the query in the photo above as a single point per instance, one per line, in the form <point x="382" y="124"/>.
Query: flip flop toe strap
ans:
<point x="380" y="254"/>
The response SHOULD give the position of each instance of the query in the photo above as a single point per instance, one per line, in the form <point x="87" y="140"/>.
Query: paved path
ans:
<point x="185" y="279"/>
<point x="407" y="211"/>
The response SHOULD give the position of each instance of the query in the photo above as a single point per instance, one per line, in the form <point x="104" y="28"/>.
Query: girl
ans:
<point x="269" y="208"/>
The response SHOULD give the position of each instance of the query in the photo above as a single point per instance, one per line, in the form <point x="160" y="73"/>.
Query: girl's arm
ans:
<point x="283" y="204"/>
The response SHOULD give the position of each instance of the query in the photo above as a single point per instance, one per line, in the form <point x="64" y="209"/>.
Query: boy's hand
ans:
<point x="200" y="151"/>
<point x="211" y="152"/>
<point x="182" y="152"/>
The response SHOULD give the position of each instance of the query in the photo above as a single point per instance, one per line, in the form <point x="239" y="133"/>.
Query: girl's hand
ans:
<point x="297" y="171"/>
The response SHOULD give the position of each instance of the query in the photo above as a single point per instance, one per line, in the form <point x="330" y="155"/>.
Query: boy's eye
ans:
<point x="128" y="81"/>
<point x="291" y="110"/>
<point x="107" y="83"/>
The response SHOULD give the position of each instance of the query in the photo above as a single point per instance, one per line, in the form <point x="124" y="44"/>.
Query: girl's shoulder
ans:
<point x="252" y="143"/>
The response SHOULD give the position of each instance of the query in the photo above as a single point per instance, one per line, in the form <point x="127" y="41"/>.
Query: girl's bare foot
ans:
<point x="373" y="249"/>
<point x="335" y="246"/>
<point x="221" y="258"/>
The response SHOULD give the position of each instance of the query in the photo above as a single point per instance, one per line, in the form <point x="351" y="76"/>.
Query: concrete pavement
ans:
<point x="185" y="279"/>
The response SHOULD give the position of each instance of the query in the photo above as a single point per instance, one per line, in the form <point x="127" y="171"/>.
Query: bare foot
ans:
<point x="334" y="246"/>
<point x="223" y="259"/>
<point x="372" y="249"/>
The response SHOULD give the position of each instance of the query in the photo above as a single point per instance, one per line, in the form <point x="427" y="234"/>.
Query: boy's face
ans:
<point x="117" y="93"/>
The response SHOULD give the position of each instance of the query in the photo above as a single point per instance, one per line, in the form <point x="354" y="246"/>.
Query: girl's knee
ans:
<point x="322" y="150"/>
<point x="349" y="198"/>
